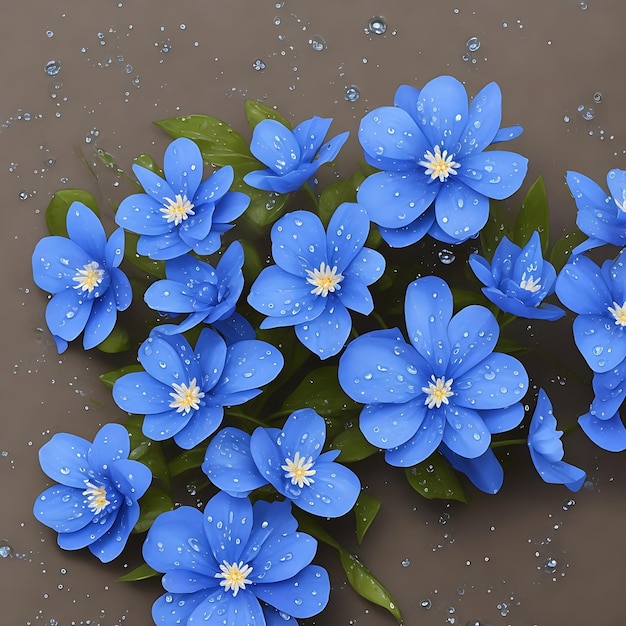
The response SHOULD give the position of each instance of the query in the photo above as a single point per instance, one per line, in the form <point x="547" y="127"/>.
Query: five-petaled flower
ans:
<point x="236" y="564"/>
<point x="183" y="391"/>
<point x="436" y="176"/>
<point x="518" y="279"/>
<point x="446" y="386"/>
<point x="546" y="448"/>
<point x="292" y="157"/>
<point x="291" y="459"/>
<point x="318" y="276"/>
<point x="95" y="503"/>
<point x="82" y="274"/>
<point x="180" y="212"/>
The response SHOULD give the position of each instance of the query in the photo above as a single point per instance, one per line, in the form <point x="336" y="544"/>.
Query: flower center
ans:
<point x="186" y="397"/>
<point x="96" y="497"/>
<point x="324" y="279"/>
<point x="529" y="283"/>
<point x="235" y="576"/>
<point x="299" y="470"/>
<point x="177" y="210"/>
<point x="438" y="391"/>
<point x="439" y="164"/>
<point x="89" y="277"/>
<point x="619" y="313"/>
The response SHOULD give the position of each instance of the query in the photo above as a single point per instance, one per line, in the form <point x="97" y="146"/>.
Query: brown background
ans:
<point x="481" y="561"/>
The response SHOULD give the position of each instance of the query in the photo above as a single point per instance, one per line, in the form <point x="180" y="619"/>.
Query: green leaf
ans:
<point x="252" y="264"/>
<point x="353" y="445"/>
<point x="562" y="249"/>
<point x="152" y="268"/>
<point x="465" y="297"/>
<point x="365" y="510"/>
<point x="142" y="572"/>
<point x="366" y="585"/>
<point x="146" y="161"/>
<point x="493" y="231"/>
<point x="59" y="205"/>
<point x="154" y="502"/>
<point x="435" y="478"/>
<point x="257" y="112"/>
<point x="312" y="527"/>
<point x="145" y="450"/>
<point x="510" y="346"/>
<point x="117" y="341"/>
<point x="320" y="390"/>
<point x="108" y="378"/>
<point x="337" y="193"/>
<point x="186" y="460"/>
<point x="534" y="215"/>
<point x="265" y="206"/>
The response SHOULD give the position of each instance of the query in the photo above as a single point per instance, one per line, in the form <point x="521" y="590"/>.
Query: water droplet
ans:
<point x="446" y="256"/>
<point x="52" y="68"/>
<point x="377" y="25"/>
<point x="6" y="549"/>
<point x="406" y="563"/>
<point x="351" y="93"/>
<point x="258" y="65"/>
<point x="587" y="113"/>
<point x="318" y="43"/>
<point x="550" y="565"/>
<point x="426" y="604"/>
<point x="568" y="504"/>
<point x="583" y="6"/>
<point x="597" y="97"/>
<point x="49" y="33"/>
<point x="473" y="44"/>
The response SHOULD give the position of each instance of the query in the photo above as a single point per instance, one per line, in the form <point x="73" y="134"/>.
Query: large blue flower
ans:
<point x="598" y="296"/>
<point x="290" y="459"/>
<point x="437" y="177"/>
<point x="95" y="503"/>
<point x="81" y="272"/>
<point x="292" y="157"/>
<point x="191" y="286"/>
<point x="236" y="564"/>
<point x="446" y="386"/>
<point x="600" y="216"/>
<point x="518" y="279"/>
<point x="546" y="448"/>
<point x="318" y="276"/>
<point x="180" y="213"/>
<point x="183" y="391"/>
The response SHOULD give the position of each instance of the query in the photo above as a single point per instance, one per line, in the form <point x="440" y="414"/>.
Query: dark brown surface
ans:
<point x="467" y="561"/>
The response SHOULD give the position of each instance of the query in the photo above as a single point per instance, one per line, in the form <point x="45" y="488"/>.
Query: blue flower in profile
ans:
<point x="82" y="274"/>
<point x="445" y="386"/>
<point x="518" y="279"/>
<point x="436" y="176"/>
<point x="183" y="391"/>
<point x="318" y="276"/>
<point x="598" y="296"/>
<point x="484" y="471"/>
<point x="600" y="216"/>
<point x="546" y="448"/>
<point x="292" y="157"/>
<point x="180" y="212"/>
<point x="191" y="286"/>
<point x="236" y="564"/>
<point x="94" y="504"/>
<point x="291" y="460"/>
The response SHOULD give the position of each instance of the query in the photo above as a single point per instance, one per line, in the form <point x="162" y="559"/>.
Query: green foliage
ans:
<point x="343" y="190"/>
<point x="146" y="161"/>
<point x="59" y="205"/>
<point x="365" y="510"/>
<point x="353" y="446"/>
<point x="117" y="341"/>
<point x="108" y="378"/>
<point x="434" y="478"/>
<point x="154" y="502"/>
<point x="493" y="231"/>
<point x="562" y="249"/>
<point x="256" y="112"/>
<point x="144" y="449"/>
<point x="534" y="215"/>
<point x="187" y="460"/>
<point x="142" y="572"/>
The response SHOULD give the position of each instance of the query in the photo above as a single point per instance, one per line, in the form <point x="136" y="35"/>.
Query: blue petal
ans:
<point x="111" y="544"/>
<point x="427" y="310"/>
<point x="368" y="266"/>
<point x="601" y="342"/>
<point x="175" y="609"/>
<point x="460" y="211"/>
<point x="86" y="535"/>
<point x="508" y="133"/>
<point x="141" y="213"/>
<point x="171" y="297"/>
<point x="422" y="444"/>
<point x="235" y="328"/>
<point x="496" y="174"/>
<point x="608" y="434"/>
<point x="101" y="321"/>
<point x="230" y="207"/>
<point x="483" y="122"/>
<point x="588" y="195"/>
<point x="64" y="509"/>
<point x="501" y="420"/>
<point x="203" y="423"/>
<point x="406" y="98"/>
<point x="211" y="351"/>
<point x="84" y="227"/>
<point x="465" y="432"/>
<point x="165" y="424"/>
<point x="390" y="425"/>
<point x="485" y="471"/>
<point x="214" y="189"/>
<point x="225" y="608"/>
<point x="67" y="313"/>
<point x="304" y="432"/>
<point x="227" y="525"/>
<point x="558" y="472"/>
<point x="164" y="358"/>
<point x="55" y="261"/>
<point x="121" y="288"/>
<point x="355" y="295"/>
<point x="581" y="288"/>
<point x="64" y="459"/>
<point x="110" y="444"/>
<point x="114" y="249"/>
<point x="330" y="149"/>
<point x="347" y="231"/>
<point x="162" y="247"/>
<point x="482" y="269"/>
<point x="182" y="164"/>
<point x="310" y="136"/>
<point x="140" y="393"/>
<point x="513" y="305"/>
<point x="132" y="478"/>
<point x="327" y="334"/>
<point x="268" y="457"/>
<point x="412" y="233"/>
<point x="292" y="181"/>
<point x="275" y="146"/>
<point x="604" y="405"/>
<point x="156" y="188"/>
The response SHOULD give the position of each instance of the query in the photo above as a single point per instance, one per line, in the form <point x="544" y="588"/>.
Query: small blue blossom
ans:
<point x="600" y="216"/>
<point x="82" y="274"/>
<point x="180" y="212"/>
<point x="236" y="564"/>
<point x="445" y="386"/>
<point x="518" y="279"/>
<point x="290" y="459"/>
<point x="546" y="448"/>
<point x="598" y="296"/>
<point x="95" y="503"/>
<point x="318" y="276"/>
<point x="183" y="391"/>
<point x="191" y="286"/>
<point x="436" y="176"/>
<point x="292" y="157"/>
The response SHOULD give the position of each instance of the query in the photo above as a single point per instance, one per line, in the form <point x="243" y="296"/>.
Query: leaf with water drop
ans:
<point x="117" y="341"/>
<point x="108" y="378"/>
<point x="562" y="249"/>
<point x="434" y="478"/>
<point x="187" y="460"/>
<point x="337" y="193"/>
<point x="152" y="504"/>
<point x="59" y="205"/>
<point x="146" y="161"/>
<point x="353" y="445"/>
<point x="365" y="510"/>
<point x="142" y="572"/>
<point x="257" y="112"/>
<point x="147" y="451"/>
<point x="534" y="215"/>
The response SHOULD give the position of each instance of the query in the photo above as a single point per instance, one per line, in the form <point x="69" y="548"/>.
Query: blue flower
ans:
<point x="518" y="279"/>
<point x="208" y="295"/>
<point x="600" y="216"/>
<point x="598" y="296"/>
<point x="318" y="276"/>
<point x="292" y="157"/>
<point x="546" y="448"/>
<point x="446" y="386"/>
<point x="95" y="503"/>
<point x="180" y="213"/>
<point x="235" y="564"/>
<point x="183" y="391"/>
<point x="290" y="459"/>
<point x="436" y="177"/>
<point x="484" y="471"/>
<point x="81" y="272"/>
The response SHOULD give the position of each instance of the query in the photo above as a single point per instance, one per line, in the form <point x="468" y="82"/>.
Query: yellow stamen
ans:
<point x="96" y="497"/>
<point x="89" y="277"/>
<point x="324" y="279"/>
<point x="438" y="391"/>
<point x="235" y="576"/>
<point x="178" y="209"/>
<point x="619" y="313"/>
<point x="439" y="165"/>
<point x="186" y="397"/>
<point x="299" y="470"/>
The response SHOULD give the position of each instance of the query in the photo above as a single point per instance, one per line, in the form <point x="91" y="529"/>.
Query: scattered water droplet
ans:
<point x="259" y="65"/>
<point x="352" y="93"/>
<point x="597" y="97"/>
<point x="426" y="604"/>
<point x="6" y="549"/>
<point x="583" y="6"/>
<point x="473" y="44"/>
<point x="587" y="113"/>
<point x="52" y="68"/>
<point x="550" y="565"/>
<point x="446" y="256"/>
<point x="377" y="25"/>
<point x="568" y="504"/>
<point x="318" y="43"/>
<point x="406" y="563"/>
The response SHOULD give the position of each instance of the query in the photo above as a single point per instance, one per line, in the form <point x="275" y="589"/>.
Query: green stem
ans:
<point x="309" y="192"/>
<point x="508" y="442"/>
<point x="243" y="416"/>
